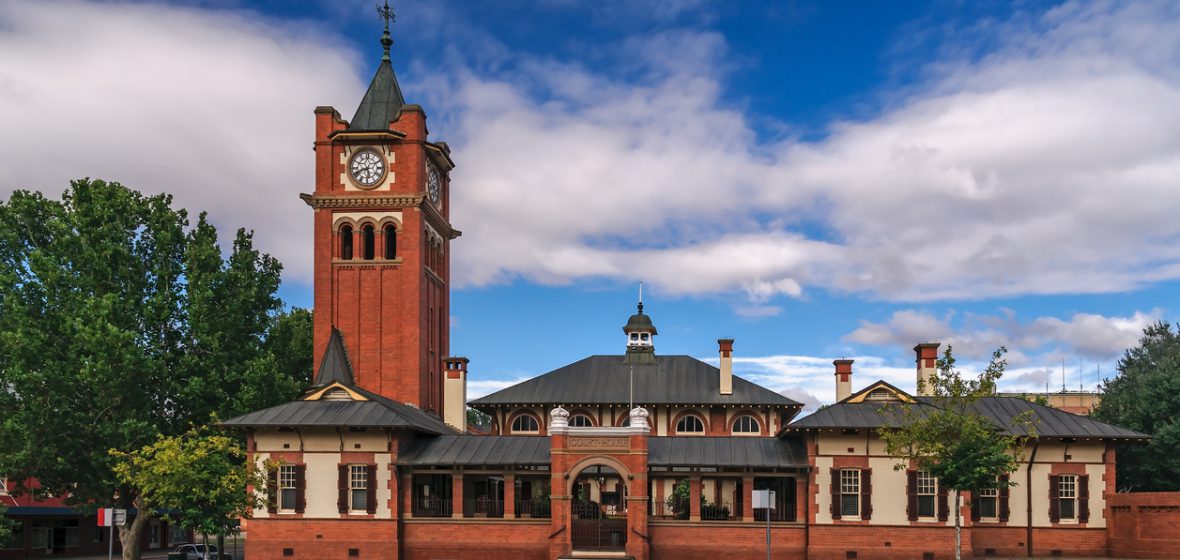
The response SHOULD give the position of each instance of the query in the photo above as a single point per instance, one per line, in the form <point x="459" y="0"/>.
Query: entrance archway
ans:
<point x="599" y="509"/>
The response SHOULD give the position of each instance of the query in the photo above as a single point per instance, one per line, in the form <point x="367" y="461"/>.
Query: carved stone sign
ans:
<point x="587" y="442"/>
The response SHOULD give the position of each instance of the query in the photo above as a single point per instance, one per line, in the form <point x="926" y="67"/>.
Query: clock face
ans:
<point x="433" y="183"/>
<point x="367" y="168"/>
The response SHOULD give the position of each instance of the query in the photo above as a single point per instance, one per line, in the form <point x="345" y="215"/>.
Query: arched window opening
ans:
<point x="746" y="425"/>
<point x="390" y="242"/>
<point x="525" y="424"/>
<point x="346" y="243"/>
<point x="580" y="421"/>
<point x="368" y="239"/>
<point x="690" y="425"/>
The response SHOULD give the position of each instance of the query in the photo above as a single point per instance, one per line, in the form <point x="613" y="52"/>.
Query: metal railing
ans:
<point x="483" y="507"/>
<point x="719" y="511"/>
<point x="537" y="509"/>
<point x="670" y="509"/>
<point x="785" y="513"/>
<point x="431" y="507"/>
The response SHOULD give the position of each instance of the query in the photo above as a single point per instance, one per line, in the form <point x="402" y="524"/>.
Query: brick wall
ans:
<point x="1144" y="525"/>
<point x="881" y="542"/>
<point x="322" y="539"/>
<point x="708" y="541"/>
<point x="467" y="540"/>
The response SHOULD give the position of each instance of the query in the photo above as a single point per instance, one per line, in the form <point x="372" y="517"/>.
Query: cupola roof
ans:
<point x="383" y="101"/>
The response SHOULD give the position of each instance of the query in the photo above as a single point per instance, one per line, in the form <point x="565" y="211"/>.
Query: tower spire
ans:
<point x="386" y="13"/>
<point x="641" y="296"/>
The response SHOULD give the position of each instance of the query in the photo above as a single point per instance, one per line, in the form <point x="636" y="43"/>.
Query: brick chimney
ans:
<point x="927" y="359"/>
<point x="725" y="346"/>
<point x="843" y="378"/>
<point x="455" y="393"/>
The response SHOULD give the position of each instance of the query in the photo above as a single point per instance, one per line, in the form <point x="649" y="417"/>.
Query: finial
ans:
<point x="641" y="296"/>
<point x="386" y="13"/>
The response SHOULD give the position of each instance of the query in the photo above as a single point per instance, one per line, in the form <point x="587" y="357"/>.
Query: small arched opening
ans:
<point x="599" y="509"/>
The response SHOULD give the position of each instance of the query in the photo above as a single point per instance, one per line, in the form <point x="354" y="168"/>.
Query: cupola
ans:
<point x="640" y="334"/>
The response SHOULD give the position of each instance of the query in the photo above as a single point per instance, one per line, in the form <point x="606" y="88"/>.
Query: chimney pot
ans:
<point x="725" y="348"/>
<point x="843" y="378"/>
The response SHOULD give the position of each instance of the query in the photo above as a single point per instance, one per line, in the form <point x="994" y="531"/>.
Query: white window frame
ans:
<point x="683" y="421"/>
<point x="850" y="486"/>
<point x="588" y="424"/>
<point x="989" y="494"/>
<point x="287" y="479"/>
<point x="926" y="486"/>
<point x="1067" y="489"/>
<point x="757" y="426"/>
<point x="532" y="418"/>
<point x="358" y="481"/>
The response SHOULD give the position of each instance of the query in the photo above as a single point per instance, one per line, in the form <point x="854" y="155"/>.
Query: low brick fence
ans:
<point x="1144" y="525"/>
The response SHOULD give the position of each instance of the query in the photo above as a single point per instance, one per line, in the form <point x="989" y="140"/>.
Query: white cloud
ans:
<point x="1046" y="165"/>
<point x="1086" y="335"/>
<point x="214" y="107"/>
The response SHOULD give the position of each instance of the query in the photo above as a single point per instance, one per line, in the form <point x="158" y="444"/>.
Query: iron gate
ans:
<point x="594" y="530"/>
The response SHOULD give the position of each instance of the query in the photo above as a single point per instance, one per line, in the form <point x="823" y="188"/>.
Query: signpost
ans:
<point x="111" y="517"/>
<point x="765" y="499"/>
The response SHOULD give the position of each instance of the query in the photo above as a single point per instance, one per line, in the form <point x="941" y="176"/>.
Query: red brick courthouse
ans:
<point x="627" y="454"/>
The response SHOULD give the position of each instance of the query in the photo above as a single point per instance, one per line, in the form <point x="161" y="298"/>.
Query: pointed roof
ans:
<point x="382" y="103"/>
<point x="335" y="367"/>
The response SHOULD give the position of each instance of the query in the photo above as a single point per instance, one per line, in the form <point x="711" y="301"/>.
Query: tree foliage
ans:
<point x="200" y="478"/>
<point x="951" y="439"/>
<point x="6" y="526"/>
<point x="120" y="322"/>
<point x="1145" y="396"/>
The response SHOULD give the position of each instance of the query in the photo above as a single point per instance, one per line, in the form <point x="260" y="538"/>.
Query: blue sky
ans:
<point x="814" y="179"/>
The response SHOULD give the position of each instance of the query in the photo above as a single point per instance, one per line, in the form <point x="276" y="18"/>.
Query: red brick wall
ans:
<point x="322" y="539"/>
<point x="467" y="540"/>
<point x="708" y="541"/>
<point x="1144" y="525"/>
<point x="884" y="542"/>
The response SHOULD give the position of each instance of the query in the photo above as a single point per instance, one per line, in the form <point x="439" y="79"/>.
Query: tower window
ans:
<point x="690" y="425"/>
<point x="390" y="242"/>
<point x="346" y="243"/>
<point x="634" y="336"/>
<point x="643" y="337"/>
<point x="368" y="239"/>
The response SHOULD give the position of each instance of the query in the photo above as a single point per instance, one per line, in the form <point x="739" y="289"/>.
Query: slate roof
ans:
<point x="382" y="102"/>
<point x="757" y="452"/>
<point x="600" y="379"/>
<point x="1049" y="422"/>
<point x="467" y="450"/>
<point x="376" y="412"/>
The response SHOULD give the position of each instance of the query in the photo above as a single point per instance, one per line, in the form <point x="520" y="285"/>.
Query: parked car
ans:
<point x="197" y="552"/>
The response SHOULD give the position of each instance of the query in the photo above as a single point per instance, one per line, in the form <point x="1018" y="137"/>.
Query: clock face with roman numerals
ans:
<point x="433" y="183"/>
<point x="367" y="167"/>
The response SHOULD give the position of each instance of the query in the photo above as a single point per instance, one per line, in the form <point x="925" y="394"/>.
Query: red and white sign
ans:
<point x="106" y="517"/>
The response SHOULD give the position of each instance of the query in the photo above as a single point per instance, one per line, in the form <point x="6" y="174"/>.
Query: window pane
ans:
<point x="1067" y="508"/>
<point x="360" y="499"/>
<point x="287" y="499"/>
<point x="925" y="506"/>
<point x="849" y="504"/>
<point x="987" y="507"/>
<point x="580" y="421"/>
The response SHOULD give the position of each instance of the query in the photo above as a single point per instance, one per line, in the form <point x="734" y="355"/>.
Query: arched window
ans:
<point x="690" y="425"/>
<point x="346" y="243"/>
<point x="746" y="424"/>
<point x="390" y="242"/>
<point x="367" y="239"/>
<point x="581" y="421"/>
<point x="525" y="423"/>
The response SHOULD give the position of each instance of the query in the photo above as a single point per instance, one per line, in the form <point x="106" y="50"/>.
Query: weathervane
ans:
<point x="386" y="13"/>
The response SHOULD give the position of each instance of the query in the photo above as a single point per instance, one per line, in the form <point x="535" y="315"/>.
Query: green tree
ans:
<point x="950" y="439"/>
<point x="200" y="478"/>
<point x="121" y="322"/>
<point x="6" y="526"/>
<point x="289" y="340"/>
<point x="477" y="419"/>
<point x="1145" y="396"/>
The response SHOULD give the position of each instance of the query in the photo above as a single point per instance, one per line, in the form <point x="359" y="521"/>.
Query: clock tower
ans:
<point x="381" y="210"/>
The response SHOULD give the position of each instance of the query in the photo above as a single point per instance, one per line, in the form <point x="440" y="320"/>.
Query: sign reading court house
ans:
<point x="599" y="442"/>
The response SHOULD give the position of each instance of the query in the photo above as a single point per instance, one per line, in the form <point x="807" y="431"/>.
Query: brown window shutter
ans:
<point x="866" y="493"/>
<point x="342" y="488"/>
<point x="300" y="488"/>
<point x="1054" y="503"/>
<point x="911" y="493"/>
<point x="835" y="493"/>
<point x="1005" y="511"/>
<point x="272" y="490"/>
<point x="975" y="494"/>
<point x="1083" y="498"/>
<point x="944" y="509"/>
<point x="371" y="487"/>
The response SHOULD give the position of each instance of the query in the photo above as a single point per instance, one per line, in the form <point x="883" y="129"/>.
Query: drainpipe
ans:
<point x="807" y="515"/>
<point x="1028" y="502"/>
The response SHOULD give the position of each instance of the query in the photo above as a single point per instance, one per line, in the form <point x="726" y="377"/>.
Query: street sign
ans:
<point x="764" y="499"/>
<point x="120" y="517"/>
<point x="106" y="517"/>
